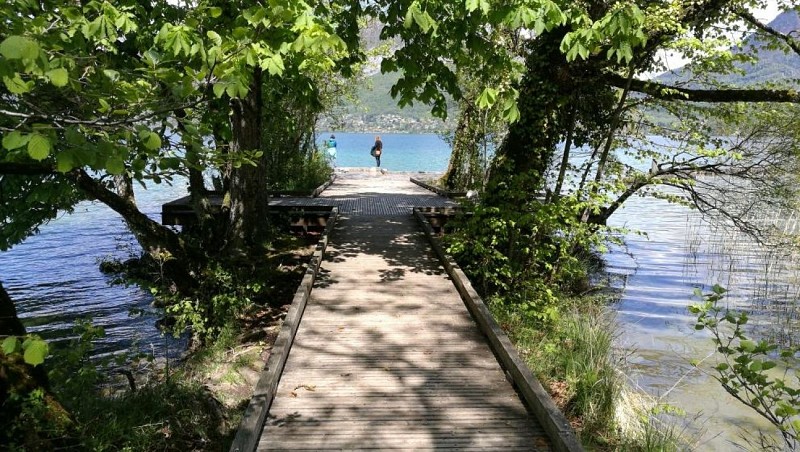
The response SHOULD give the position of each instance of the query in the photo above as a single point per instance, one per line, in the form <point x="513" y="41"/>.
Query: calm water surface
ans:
<point x="658" y="274"/>
<point x="53" y="278"/>
<point x="401" y="152"/>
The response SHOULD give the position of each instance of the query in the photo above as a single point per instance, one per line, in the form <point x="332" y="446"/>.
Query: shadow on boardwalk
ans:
<point x="387" y="356"/>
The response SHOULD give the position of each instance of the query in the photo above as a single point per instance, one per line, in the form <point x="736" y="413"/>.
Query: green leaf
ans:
<point x="302" y="42"/>
<point x="214" y="37"/>
<point x="219" y="89"/>
<point x="747" y="346"/>
<point x="15" y="140"/>
<point x="16" y="85"/>
<point x="115" y="165"/>
<point x="152" y="57"/>
<point x="39" y="147"/>
<point x="511" y="114"/>
<point x="104" y="106"/>
<point x="472" y="5"/>
<point x="583" y="51"/>
<point x="64" y="162"/>
<point x="487" y="98"/>
<point x="111" y="74"/>
<point x="150" y="140"/>
<point x="36" y="351"/>
<point x="58" y="77"/>
<point x="408" y="20"/>
<point x="215" y="11"/>
<point x="19" y="47"/>
<point x="423" y="19"/>
<point x="274" y="65"/>
<point x="10" y="345"/>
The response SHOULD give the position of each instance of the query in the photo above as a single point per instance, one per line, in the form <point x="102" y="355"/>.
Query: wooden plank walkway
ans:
<point x="386" y="355"/>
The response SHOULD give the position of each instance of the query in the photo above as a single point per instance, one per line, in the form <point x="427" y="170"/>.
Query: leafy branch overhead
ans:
<point x="103" y="86"/>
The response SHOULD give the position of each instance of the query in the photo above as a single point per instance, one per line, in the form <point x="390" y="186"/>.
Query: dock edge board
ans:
<point x="251" y="426"/>
<point x="553" y="421"/>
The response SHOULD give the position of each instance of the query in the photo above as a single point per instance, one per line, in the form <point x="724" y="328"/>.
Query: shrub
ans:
<point x="527" y="256"/>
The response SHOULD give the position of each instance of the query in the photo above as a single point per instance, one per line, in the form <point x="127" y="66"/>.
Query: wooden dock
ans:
<point x="386" y="355"/>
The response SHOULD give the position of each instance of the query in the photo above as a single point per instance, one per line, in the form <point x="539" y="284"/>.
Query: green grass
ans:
<point x="175" y="415"/>
<point x="576" y="359"/>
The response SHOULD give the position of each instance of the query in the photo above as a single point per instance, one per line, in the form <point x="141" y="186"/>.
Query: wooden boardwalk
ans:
<point x="386" y="355"/>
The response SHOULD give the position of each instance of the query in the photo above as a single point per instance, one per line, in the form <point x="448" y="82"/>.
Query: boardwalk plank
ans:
<point x="387" y="356"/>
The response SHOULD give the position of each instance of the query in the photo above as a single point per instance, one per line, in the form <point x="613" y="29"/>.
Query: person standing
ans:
<point x="332" y="147"/>
<point x="377" y="150"/>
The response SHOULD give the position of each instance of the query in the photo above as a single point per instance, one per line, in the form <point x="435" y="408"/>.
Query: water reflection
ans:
<point x="657" y="274"/>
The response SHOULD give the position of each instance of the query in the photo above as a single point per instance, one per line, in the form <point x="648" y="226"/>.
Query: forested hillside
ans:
<point x="374" y="109"/>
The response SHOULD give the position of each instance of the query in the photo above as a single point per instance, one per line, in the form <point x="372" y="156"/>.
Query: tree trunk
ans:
<point x="564" y="158"/>
<point x="545" y="94"/>
<point x="248" y="222"/>
<point x="10" y="324"/>
<point x="154" y="238"/>
<point x="207" y="227"/>
<point x="150" y="243"/>
<point x="557" y="98"/>
<point x="612" y="130"/>
<point x="464" y="161"/>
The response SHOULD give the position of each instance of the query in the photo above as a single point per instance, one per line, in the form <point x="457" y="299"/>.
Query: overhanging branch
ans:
<point x="666" y="92"/>
<point x="25" y="169"/>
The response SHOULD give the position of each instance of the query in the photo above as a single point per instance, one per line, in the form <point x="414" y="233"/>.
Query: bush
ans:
<point x="526" y="257"/>
<point x="301" y="172"/>
<point x="174" y="413"/>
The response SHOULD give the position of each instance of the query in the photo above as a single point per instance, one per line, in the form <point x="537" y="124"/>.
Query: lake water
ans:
<point x="54" y="279"/>
<point x="658" y="274"/>
<point x="401" y="152"/>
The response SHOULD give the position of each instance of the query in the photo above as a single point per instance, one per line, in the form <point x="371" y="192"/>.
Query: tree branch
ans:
<point x="25" y="169"/>
<point x="793" y="44"/>
<point x="158" y="236"/>
<point x="100" y="122"/>
<point x="666" y="92"/>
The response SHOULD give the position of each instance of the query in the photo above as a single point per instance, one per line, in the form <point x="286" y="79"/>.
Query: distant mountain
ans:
<point x="772" y="66"/>
<point x="375" y="110"/>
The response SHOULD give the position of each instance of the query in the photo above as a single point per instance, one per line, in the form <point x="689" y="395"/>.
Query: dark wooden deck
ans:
<point x="386" y="355"/>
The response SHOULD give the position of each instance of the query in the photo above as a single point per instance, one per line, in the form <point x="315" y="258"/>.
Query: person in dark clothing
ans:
<point x="377" y="150"/>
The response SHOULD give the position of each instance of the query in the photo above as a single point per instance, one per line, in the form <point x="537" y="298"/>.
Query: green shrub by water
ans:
<point x="174" y="415"/>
